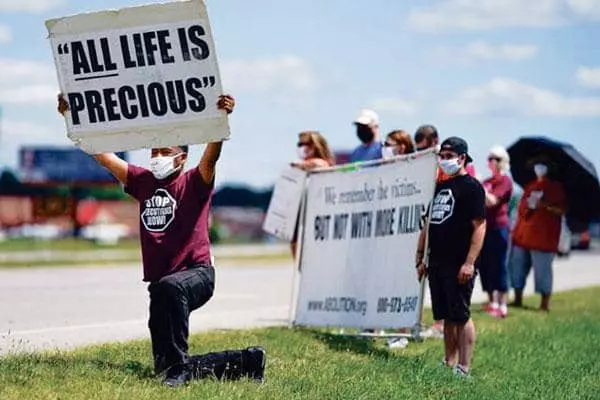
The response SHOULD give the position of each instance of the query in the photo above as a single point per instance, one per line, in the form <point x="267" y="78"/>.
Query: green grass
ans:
<point x="14" y="245"/>
<point x="73" y="244"/>
<point x="125" y="252"/>
<point x="528" y="356"/>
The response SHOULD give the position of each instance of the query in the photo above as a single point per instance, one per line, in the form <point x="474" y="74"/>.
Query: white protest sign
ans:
<point x="139" y="77"/>
<point x="358" y="248"/>
<point x="285" y="204"/>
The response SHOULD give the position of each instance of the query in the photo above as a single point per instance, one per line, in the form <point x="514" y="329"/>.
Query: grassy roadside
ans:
<point x="71" y="244"/>
<point x="19" y="245"/>
<point x="528" y="356"/>
<point x="72" y="252"/>
<point x="227" y="261"/>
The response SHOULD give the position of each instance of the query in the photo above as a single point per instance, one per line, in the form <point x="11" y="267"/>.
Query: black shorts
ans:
<point x="450" y="300"/>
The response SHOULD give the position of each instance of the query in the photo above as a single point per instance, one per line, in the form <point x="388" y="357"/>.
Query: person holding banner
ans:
<point x="313" y="153"/>
<point x="426" y="137"/>
<point x="456" y="229"/>
<point x="367" y="131"/>
<point x="177" y="264"/>
<point x="396" y="143"/>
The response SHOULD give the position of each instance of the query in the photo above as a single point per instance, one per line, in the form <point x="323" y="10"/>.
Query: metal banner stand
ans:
<point x="298" y="255"/>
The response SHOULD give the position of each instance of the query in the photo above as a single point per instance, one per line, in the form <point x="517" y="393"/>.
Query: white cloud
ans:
<point x="481" y="51"/>
<point x="395" y="106"/>
<point x="505" y="96"/>
<point x="5" y="34"/>
<point x="26" y="131"/>
<point x="12" y="70"/>
<point x="263" y="75"/>
<point x="27" y="95"/>
<point x="451" y="15"/>
<point x="588" y="77"/>
<point x="586" y="8"/>
<point x="33" y="6"/>
<point x="485" y="14"/>
<point x="26" y="82"/>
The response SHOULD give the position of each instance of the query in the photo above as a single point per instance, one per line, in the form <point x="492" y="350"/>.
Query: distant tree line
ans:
<point x="241" y="196"/>
<point x="225" y="196"/>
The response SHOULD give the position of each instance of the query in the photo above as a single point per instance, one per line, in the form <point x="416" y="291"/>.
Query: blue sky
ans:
<point x="487" y="70"/>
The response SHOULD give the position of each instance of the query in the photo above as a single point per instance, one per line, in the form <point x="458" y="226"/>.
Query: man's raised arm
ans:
<point x="115" y="165"/>
<point x="211" y="155"/>
<point x="208" y="162"/>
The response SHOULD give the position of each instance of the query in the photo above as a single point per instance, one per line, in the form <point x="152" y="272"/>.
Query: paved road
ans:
<point x="61" y="308"/>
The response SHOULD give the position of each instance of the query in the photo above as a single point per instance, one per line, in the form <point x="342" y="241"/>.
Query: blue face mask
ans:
<point x="450" y="167"/>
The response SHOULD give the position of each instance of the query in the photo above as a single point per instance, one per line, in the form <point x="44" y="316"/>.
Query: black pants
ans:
<point x="450" y="300"/>
<point x="492" y="260"/>
<point x="172" y="299"/>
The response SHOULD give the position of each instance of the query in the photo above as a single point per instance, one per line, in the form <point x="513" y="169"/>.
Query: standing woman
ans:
<point x="492" y="262"/>
<point x="313" y="153"/>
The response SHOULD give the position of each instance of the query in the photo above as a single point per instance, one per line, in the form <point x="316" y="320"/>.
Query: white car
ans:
<point x="106" y="234"/>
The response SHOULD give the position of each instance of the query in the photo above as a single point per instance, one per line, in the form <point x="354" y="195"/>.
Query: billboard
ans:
<point x="57" y="165"/>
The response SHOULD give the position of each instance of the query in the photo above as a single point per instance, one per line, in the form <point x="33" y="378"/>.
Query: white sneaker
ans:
<point x="432" y="333"/>
<point x="398" y="343"/>
<point x="460" y="371"/>
<point x="426" y="333"/>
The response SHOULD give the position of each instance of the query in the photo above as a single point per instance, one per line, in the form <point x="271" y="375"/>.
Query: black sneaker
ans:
<point x="254" y="363"/>
<point x="177" y="375"/>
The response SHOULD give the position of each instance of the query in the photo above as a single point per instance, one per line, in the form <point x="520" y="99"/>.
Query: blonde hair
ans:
<point x="319" y="144"/>
<point x="500" y="153"/>
<point x="402" y="137"/>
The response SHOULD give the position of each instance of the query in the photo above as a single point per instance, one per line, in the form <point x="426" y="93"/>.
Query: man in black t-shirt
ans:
<point x="456" y="232"/>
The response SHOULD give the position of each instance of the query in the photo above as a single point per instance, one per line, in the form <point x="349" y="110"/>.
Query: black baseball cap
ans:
<point x="456" y="145"/>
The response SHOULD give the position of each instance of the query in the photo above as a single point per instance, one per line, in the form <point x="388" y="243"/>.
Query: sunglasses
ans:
<point x="389" y="144"/>
<point x="300" y="144"/>
<point x="494" y="159"/>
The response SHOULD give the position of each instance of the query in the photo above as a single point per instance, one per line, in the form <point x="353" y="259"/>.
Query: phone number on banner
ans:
<point x="397" y="305"/>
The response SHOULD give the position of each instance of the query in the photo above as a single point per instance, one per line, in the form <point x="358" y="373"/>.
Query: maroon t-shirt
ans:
<point x="173" y="220"/>
<point x="500" y="186"/>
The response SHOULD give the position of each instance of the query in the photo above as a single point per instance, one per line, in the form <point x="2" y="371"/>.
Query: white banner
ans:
<point x="358" y="250"/>
<point x="285" y="204"/>
<point x="139" y="77"/>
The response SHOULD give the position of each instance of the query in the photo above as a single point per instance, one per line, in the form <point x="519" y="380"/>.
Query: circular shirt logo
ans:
<point x="159" y="211"/>
<point x="443" y="206"/>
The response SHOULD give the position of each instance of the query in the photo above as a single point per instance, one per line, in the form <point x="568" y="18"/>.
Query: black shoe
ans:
<point x="177" y="375"/>
<point x="254" y="363"/>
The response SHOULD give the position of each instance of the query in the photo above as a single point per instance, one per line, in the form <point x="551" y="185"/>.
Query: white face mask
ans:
<point x="540" y="170"/>
<point x="302" y="152"/>
<point x="163" y="167"/>
<point x="450" y="167"/>
<point x="388" y="152"/>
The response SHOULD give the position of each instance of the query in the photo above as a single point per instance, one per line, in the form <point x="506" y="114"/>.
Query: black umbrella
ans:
<point x="576" y="173"/>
